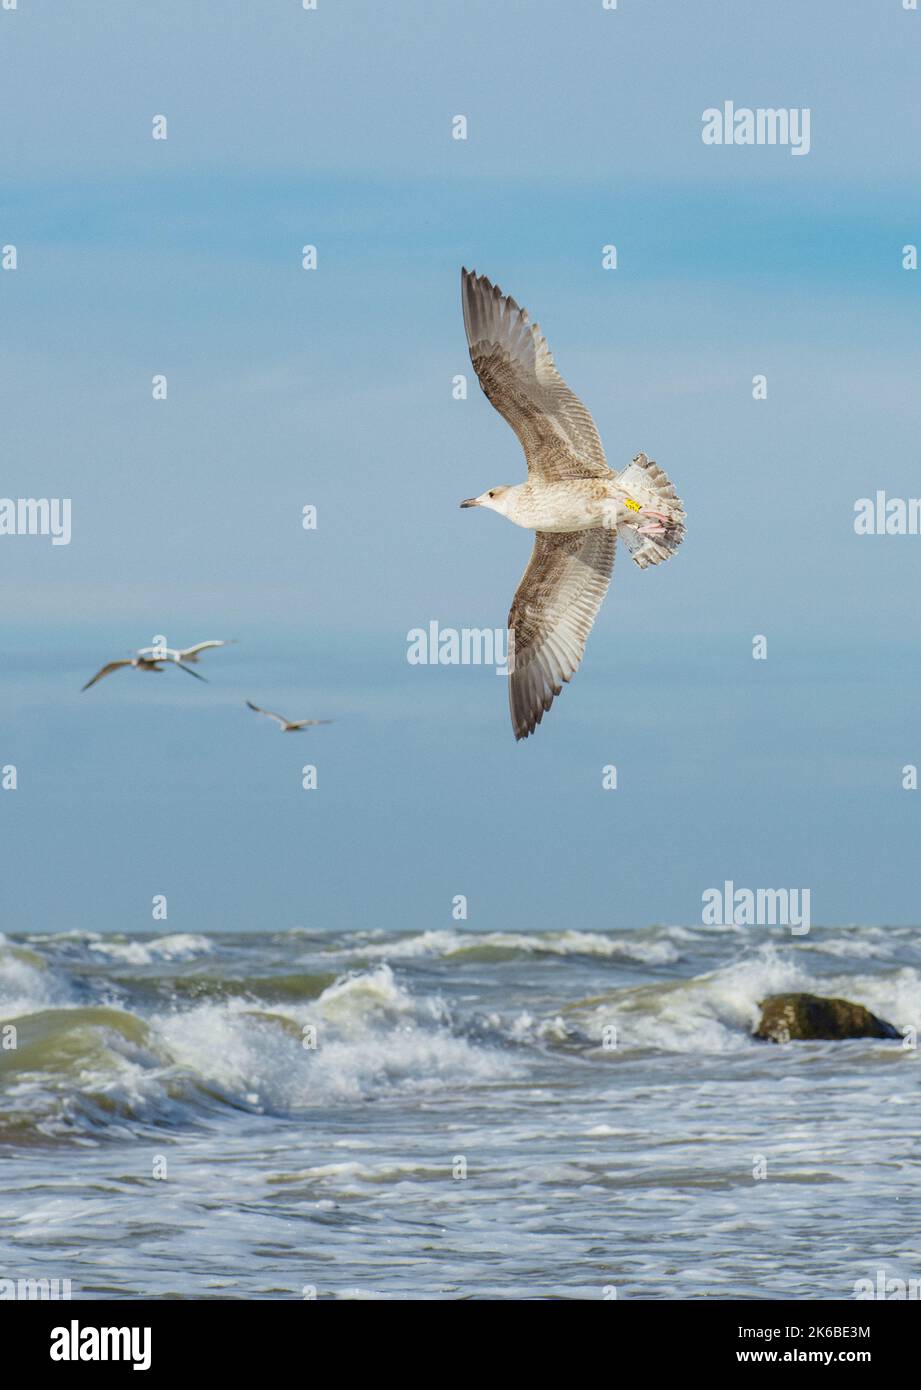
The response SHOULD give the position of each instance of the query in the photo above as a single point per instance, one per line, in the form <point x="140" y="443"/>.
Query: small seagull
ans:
<point x="140" y="663"/>
<point x="181" y="654"/>
<point x="575" y="503"/>
<point x="287" y="726"/>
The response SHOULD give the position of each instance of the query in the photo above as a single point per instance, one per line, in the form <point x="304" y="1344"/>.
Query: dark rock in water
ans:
<point x="788" y="1017"/>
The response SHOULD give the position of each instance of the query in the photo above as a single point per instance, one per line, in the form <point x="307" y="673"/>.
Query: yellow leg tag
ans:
<point x="629" y="502"/>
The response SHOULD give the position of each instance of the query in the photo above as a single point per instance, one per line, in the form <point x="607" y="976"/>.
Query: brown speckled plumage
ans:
<point x="569" y="486"/>
<point x="551" y="616"/>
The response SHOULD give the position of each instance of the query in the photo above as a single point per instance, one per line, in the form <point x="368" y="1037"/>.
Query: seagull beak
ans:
<point x="471" y="502"/>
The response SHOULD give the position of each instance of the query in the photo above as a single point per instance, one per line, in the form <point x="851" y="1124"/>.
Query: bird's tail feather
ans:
<point x="644" y="474"/>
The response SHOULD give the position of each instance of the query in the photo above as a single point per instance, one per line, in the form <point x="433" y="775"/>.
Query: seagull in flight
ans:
<point x="179" y="655"/>
<point x="140" y="663"/>
<point x="575" y="503"/>
<point x="287" y="726"/>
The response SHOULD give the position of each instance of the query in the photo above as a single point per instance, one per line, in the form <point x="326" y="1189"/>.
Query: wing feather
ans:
<point x="516" y="371"/>
<point x="105" y="671"/>
<point x="552" y="614"/>
<point x="185" y="653"/>
<point x="279" y="719"/>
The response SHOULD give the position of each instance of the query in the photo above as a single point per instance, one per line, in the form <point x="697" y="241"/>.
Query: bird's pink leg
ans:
<point x="656" y="527"/>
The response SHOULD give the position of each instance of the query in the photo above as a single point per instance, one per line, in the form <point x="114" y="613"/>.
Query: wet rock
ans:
<point x="788" y="1017"/>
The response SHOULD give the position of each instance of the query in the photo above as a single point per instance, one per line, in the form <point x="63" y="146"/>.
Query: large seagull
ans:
<point x="575" y="503"/>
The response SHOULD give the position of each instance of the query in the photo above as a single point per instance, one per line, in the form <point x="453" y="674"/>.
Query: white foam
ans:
<point x="179" y="946"/>
<point x="365" y="995"/>
<point x="894" y="995"/>
<point x="448" y="942"/>
<point x="371" y="1035"/>
<point x="711" y="1013"/>
<point x="25" y="985"/>
<point x="869" y="944"/>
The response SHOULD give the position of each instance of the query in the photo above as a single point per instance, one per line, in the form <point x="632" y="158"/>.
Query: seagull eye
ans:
<point x="491" y="493"/>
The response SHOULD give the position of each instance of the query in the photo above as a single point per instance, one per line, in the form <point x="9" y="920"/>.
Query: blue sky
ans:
<point x="334" y="388"/>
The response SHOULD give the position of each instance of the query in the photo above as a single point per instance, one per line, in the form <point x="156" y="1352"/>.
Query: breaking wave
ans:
<point x="102" y="1036"/>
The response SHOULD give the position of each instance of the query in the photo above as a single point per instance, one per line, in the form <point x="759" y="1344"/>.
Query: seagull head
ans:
<point x="494" y="499"/>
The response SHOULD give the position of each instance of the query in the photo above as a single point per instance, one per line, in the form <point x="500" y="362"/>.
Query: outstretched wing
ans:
<point x="189" y="653"/>
<point x="190" y="672"/>
<point x="307" y="723"/>
<point x="268" y="714"/>
<point x="105" y="671"/>
<point x="551" y="616"/>
<point x="515" y="369"/>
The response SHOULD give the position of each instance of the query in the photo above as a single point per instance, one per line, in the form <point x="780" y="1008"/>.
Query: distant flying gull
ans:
<point x="181" y="654"/>
<point x="288" y="726"/>
<point x="140" y="663"/>
<point x="575" y="503"/>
